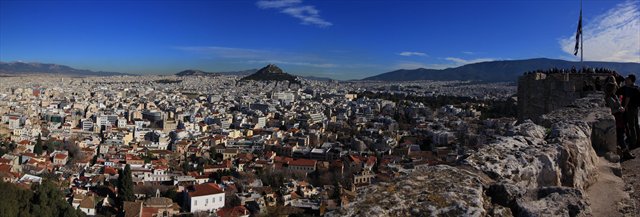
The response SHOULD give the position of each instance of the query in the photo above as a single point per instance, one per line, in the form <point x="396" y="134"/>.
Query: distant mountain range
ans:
<point x="195" y="72"/>
<point x="22" y="68"/>
<point x="504" y="70"/>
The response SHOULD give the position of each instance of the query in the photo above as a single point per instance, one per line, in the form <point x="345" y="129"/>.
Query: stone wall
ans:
<point x="540" y="93"/>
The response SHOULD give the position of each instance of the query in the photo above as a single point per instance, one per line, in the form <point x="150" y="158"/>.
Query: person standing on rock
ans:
<point x="613" y="102"/>
<point x="631" y="100"/>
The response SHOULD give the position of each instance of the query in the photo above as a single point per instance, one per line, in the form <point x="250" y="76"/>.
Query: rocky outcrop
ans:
<point x="427" y="191"/>
<point x="543" y="170"/>
<point x="592" y="111"/>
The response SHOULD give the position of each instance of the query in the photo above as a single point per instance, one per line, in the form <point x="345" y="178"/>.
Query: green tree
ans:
<point x="37" y="149"/>
<point x="43" y="199"/>
<point x="200" y="167"/>
<point x="185" y="164"/>
<point x="125" y="185"/>
<point x="212" y="153"/>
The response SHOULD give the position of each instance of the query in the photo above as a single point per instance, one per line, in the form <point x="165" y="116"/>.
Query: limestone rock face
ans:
<point x="427" y="191"/>
<point x="564" y="157"/>
<point x="522" y="161"/>
<point x="592" y="111"/>
<point x="577" y="159"/>
<point x="553" y="201"/>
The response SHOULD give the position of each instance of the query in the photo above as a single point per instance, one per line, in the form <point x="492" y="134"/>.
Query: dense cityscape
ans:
<point x="304" y="108"/>
<point x="202" y="144"/>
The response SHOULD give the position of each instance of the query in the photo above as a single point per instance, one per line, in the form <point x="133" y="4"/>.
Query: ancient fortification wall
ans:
<point x="540" y="93"/>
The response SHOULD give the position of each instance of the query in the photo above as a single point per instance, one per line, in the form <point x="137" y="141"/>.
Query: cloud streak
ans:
<point x="277" y="3"/>
<point x="316" y="65"/>
<point x="449" y="63"/>
<point x="412" y="53"/>
<point x="257" y="56"/>
<point x="461" y="61"/>
<point x="611" y="36"/>
<point x="226" y="52"/>
<point x="307" y="14"/>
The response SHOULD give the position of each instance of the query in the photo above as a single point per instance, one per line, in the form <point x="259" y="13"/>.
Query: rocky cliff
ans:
<point x="543" y="170"/>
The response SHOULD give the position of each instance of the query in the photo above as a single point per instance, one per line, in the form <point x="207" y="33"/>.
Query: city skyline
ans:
<point x="341" y="40"/>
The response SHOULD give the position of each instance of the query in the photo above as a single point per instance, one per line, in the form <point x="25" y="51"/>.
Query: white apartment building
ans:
<point x="207" y="197"/>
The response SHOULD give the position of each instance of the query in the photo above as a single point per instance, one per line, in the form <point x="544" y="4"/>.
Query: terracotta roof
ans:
<point x="355" y="159"/>
<point x="5" y="168"/>
<point x="4" y="161"/>
<point x="88" y="203"/>
<point x="110" y="171"/>
<point x="233" y="212"/>
<point x="205" y="189"/>
<point x="371" y="160"/>
<point x="61" y="156"/>
<point x="132" y="209"/>
<point x="149" y="211"/>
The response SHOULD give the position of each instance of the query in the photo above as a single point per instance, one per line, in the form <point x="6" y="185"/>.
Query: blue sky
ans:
<point x="339" y="39"/>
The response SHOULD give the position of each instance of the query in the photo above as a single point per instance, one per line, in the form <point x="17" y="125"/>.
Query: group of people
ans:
<point x="573" y="70"/>
<point x="622" y="96"/>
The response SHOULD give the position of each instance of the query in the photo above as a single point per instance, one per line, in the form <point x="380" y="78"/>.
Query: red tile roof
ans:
<point x="205" y="189"/>
<point x="110" y="171"/>
<point x="233" y="212"/>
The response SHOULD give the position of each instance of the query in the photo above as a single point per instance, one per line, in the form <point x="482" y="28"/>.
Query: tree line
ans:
<point x="43" y="200"/>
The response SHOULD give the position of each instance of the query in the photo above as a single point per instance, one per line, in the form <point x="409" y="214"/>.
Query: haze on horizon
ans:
<point x="337" y="39"/>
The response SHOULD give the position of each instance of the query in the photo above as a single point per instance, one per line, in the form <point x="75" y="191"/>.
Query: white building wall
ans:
<point x="207" y="203"/>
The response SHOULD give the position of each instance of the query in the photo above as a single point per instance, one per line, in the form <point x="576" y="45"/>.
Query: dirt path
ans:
<point x="607" y="195"/>
<point x="631" y="176"/>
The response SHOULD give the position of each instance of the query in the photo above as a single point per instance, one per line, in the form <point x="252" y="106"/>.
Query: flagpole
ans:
<point x="581" y="36"/>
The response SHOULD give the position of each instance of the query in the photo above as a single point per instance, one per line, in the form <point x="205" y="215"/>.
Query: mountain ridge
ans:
<point x="21" y="68"/>
<point x="501" y="70"/>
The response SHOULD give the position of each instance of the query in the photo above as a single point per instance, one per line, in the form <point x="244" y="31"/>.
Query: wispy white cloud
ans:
<point x="307" y="14"/>
<point x="317" y="65"/>
<point x="412" y="53"/>
<point x="258" y="56"/>
<point x="449" y="62"/>
<point x="468" y="52"/>
<point x="416" y="65"/>
<point x="460" y="61"/>
<point x="611" y="36"/>
<point x="227" y="52"/>
<point x="277" y="3"/>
